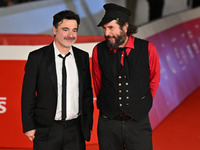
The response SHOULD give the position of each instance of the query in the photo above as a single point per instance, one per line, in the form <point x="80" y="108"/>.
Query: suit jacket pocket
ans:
<point x="42" y="133"/>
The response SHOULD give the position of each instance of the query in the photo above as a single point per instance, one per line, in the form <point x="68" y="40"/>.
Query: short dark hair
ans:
<point x="66" y="14"/>
<point x="132" y="29"/>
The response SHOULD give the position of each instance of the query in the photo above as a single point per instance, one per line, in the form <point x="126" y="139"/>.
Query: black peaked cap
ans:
<point x="114" y="12"/>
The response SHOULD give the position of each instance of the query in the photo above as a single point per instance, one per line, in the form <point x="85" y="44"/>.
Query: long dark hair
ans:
<point x="132" y="29"/>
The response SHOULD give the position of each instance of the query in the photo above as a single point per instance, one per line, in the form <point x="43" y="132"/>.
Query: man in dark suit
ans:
<point x="57" y="99"/>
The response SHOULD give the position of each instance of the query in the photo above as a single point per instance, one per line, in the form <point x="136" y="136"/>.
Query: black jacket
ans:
<point x="39" y="92"/>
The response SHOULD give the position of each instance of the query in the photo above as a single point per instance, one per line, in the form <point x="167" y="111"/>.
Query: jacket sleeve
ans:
<point x="88" y="100"/>
<point x="96" y="72"/>
<point x="29" y="93"/>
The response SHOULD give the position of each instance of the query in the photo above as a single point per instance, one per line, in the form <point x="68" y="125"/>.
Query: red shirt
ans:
<point x="154" y="66"/>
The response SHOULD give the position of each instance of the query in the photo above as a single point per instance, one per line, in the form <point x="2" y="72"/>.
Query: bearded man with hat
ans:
<point x="126" y="75"/>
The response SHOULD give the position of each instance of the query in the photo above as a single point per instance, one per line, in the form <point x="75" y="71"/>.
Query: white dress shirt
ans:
<point x="72" y="85"/>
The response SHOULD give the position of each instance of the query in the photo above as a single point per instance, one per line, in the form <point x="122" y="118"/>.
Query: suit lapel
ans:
<point x="50" y="58"/>
<point x="78" y="59"/>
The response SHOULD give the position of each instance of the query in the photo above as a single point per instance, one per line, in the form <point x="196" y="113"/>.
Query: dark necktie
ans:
<point x="64" y="86"/>
<point x="117" y="62"/>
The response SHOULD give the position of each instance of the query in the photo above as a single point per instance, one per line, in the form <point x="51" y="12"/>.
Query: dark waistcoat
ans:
<point x="122" y="90"/>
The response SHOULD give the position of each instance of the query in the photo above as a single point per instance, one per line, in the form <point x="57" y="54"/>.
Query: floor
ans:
<point x="181" y="129"/>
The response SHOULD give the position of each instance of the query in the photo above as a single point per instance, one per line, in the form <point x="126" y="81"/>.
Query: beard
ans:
<point x="119" y="40"/>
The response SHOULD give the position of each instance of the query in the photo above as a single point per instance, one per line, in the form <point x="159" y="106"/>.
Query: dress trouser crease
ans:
<point x="124" y="135"/>
<point x="60" y="136"/>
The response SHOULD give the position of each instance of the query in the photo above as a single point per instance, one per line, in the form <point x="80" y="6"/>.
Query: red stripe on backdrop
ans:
<point x="37" y="39"/>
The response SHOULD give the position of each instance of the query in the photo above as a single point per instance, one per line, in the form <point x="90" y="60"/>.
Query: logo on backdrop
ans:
<point x="3" y="104"/>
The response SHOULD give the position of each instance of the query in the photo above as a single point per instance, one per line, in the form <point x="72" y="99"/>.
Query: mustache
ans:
<point x="110" y="37"/>
<point x="69" y="38"/>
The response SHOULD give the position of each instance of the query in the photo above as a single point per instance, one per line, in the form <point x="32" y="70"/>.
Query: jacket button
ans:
<point x="120" y="84"/>
<point x="120" y="105"/>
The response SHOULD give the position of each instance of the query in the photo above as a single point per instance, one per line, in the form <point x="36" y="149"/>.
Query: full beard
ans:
<point x="119" y="40"/>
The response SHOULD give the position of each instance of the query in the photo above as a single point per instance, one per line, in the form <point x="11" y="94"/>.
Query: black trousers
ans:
<point x="155" y="9"/>
<point x="124" y="135"/>
<point x="60" y="136"/>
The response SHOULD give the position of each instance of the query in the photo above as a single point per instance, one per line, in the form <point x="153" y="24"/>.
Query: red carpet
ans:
<point x="179" y="131"/>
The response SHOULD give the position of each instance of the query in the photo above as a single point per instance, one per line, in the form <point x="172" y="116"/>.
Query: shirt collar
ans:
<point x="130" y="42"/>
<point x="57" y="52"/>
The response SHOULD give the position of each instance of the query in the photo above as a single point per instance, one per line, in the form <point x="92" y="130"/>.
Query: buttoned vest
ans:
<point x="127" y="92"/>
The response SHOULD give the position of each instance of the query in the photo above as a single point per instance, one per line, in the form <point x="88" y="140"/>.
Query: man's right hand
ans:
<point x="30" y="134"/>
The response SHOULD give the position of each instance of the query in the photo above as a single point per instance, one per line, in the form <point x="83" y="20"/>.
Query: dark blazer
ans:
<point x="39" y="92"/>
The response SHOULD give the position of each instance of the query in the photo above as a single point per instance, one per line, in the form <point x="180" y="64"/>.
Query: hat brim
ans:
<point x="104" y="21"/>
